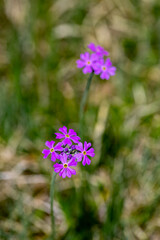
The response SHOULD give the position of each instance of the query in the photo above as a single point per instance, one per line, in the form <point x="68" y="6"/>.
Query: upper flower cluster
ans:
<point x="96" y="62"/>
<point x="67" y="152"/>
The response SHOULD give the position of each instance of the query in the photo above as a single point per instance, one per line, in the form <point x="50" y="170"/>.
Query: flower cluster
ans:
<point x="68" y="152"/>
<point x="96" y="62"/>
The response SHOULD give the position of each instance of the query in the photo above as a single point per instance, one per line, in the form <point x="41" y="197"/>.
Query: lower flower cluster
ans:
<point x="68" y="152"/>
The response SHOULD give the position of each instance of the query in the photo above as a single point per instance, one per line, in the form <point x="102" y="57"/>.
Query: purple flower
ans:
<point x="104" y="68"/>
<point x="87" y="61"/>
<point x="100" y="51"/>
<point x="84" y="152"/>
<point x="64" y="169"/>
<point x="53" y="150"/>
<point x="68" y="136"/>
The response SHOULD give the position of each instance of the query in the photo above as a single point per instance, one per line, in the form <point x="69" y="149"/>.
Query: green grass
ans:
<point x="41" y="90"/>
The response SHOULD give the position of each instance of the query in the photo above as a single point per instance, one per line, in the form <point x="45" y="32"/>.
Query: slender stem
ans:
<point x="51" y="202"/>
<point x="83" y="102"/>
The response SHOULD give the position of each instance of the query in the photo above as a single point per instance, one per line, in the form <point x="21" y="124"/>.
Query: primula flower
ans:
<point x="64" y="169"/>
<point x="68" y="136"/>
<point x="87" y="61"/>
<point x="84" y="152"/>
<point x="104" y="68"/>
<point x="52" y="150"/>
<point x="100" y="51"/>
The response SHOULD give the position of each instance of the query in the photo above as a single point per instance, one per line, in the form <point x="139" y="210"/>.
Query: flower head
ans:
<point x="64" y="168"/>
<point x="104" y="68"/>
<point x="68" y="136"/>
<point x="84" y="152"/>
<point x="100" y="51"/>
<point x="52" y="150"/>
<point x="87" y="62"/>
<point x="67" y="152"/>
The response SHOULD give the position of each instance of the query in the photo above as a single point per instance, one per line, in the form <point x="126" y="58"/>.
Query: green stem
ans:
<point x="83" y="102"/>
<point x="51" y="202"/>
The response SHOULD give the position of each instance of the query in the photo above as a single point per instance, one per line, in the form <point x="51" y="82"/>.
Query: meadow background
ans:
<point x="117" y="197"/>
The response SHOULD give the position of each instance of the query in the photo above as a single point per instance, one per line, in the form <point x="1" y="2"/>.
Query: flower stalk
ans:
<point x="51" y="204"/>
<point x="83" y="103"/>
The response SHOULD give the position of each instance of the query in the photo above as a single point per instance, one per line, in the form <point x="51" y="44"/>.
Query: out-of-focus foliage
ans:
<point x="117" y="197"/>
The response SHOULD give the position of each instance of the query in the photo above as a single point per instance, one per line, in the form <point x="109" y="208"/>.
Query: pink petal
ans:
<point x="78" y="156"/>
<point x="63" y="173"/>
<point x="59" y="135"/>
<point x="46" y="152"/>
<point x="92" y="47"/>
<point x="75" y="139"/>
<point x="63" y="158"/>
<point x="72" y="132"/>
<point x="86" y="160"/>
<point x="57" y="167"/>
<point x="108" y="62"/>
<point x="72" y="171"/>
<point x="87" y="69"/>
<point x="72" y="162"/>
<point x="80" y="63"/>
<point x="85" y="146"/>
<point x="79" y="147"/>
<point x="68" y="173"/>
<point x="88" y="145"/>
<point x="53" y="157"/>
<point x="112" y="71"/>
<point x="63" y="130"/>
<point x="49" y="144"/>
<point x="67" y="141"/>
<point x="58" y="147"/>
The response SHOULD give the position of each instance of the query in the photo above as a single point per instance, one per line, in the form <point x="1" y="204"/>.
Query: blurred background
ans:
<point x="117" y="197"/>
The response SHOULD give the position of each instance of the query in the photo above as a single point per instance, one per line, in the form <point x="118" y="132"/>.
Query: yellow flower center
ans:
<point x="84" y="153"/>
<point x="88" y="62"/>
<point x="104" y="68"/>
<point x="67" y="135"/>
<point x="52" y="150"/>
<point x="65" y="165"/>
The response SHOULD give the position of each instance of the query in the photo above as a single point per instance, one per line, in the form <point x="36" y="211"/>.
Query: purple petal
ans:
<point x="63" y="158"/>
<point x="79" y="147"/>
<point x="112" y="71"/>
<point x="78" y="156"/>
<point x="87" y="69"/>
<point x="92" y="47"/>
<point x="53" y="157"/>
<point x="57" y="167"/>
<point x="94" y="57"/>
<point x="98" y="71"/>
<point x="90" y="152"/>
<point x="80" y="63"/>
<point x="58" y="147"/>
<point x="59" y="135"/>
<point x="69" y="174"/>
<point x="49" y="144"/>
<point x="85" y="146"/>
<point x="63" y="173"/>
<point x="72" y="171"/>
<point x="86" y="160"/>
<point x="75" y="139"/>
<point x="103" y="75"/>
<point x="72" y="162"/>
<point x="63" y="130"/>
<point x="67" y="141"/>
<point x="88" y="145"/>
<point x="46" y="152"/>
<point x="108" y="62"/>
<point x="84" y="56"/>
<point x="72" y="132"/>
